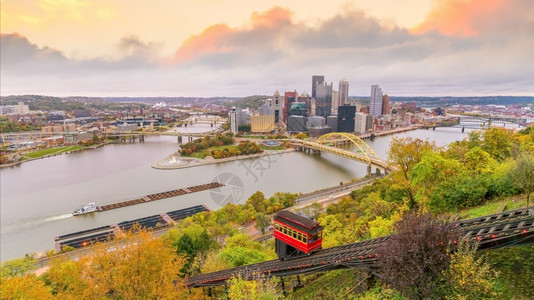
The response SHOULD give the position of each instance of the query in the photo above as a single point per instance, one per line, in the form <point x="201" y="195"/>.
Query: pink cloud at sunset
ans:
<point x="457" y="17"/>
<point x="220" y="38"/>
<point x="209" y="41"/>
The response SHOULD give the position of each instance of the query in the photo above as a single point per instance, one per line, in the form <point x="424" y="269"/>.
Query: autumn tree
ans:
<point x="24" y="287"/>
<point x="413" y="260"/>
<point x="499" y="143"/>
<point x="470" y="276"/>
<point x="139" y="267"/>
<point x="257" y="200"/>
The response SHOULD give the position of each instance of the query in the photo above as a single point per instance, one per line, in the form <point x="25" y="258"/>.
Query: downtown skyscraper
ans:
<point x="316" y="79"/>
<point x="343" y="92"/>
<point x="375" y="106"/>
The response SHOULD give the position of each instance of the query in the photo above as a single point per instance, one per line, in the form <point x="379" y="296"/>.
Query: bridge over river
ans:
<point x="363" y="154"/>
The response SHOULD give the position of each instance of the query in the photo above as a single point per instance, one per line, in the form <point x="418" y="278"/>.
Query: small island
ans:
<point x="219" y="148"/>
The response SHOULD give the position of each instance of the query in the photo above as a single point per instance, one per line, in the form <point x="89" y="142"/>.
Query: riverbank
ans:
<point x="189" y="162"/>
<point x="60" y="152"/>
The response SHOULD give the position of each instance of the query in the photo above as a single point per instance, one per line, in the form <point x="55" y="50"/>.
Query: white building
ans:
<point x="335" y="102"/>
<point x="19" y="109"/>
<point x="233" y="120"/>
<point x="375" y="106"/>
<point x="360" y="123"/>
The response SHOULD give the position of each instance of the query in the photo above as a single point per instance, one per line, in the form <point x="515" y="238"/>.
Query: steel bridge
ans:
<point x="494" y="119"/>
<point x="495" y="231"/>
<point x="364" y="153"/>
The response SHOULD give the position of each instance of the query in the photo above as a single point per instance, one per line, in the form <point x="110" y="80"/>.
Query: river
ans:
<point x="38" y="197"/>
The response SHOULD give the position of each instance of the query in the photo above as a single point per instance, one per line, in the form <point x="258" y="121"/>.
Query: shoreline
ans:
<point x="13" y="164"/>
<point x="195" y="162"/>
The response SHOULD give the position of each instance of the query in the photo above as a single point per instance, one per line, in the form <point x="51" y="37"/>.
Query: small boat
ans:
<point x="89" y="208"/>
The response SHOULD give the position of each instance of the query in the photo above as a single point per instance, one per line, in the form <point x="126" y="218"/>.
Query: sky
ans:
<point x="233" y="48"/>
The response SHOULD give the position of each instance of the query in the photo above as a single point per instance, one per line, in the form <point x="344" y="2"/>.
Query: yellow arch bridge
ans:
<point x="364" y="153"/>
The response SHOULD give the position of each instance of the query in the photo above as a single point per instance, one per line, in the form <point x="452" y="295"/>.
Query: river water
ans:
<point x="38" y="197"/>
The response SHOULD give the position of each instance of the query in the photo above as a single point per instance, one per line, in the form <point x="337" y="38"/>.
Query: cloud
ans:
<point x="471" y="18"/>
<point x="19" y="54"/>
<point x="273" y="51"/>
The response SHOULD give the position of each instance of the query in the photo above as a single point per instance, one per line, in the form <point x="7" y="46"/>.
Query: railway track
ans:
<point x="493" y="231"/>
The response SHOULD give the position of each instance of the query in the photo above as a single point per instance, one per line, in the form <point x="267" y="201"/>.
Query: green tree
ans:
<point x="523" y="174"/>
<point x="407" y="152"/>
<point x="262" y="222"/>
<point x="17" y="267"/>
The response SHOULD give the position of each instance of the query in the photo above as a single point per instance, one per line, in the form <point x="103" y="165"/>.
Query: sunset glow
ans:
<point x="237" y="48"/>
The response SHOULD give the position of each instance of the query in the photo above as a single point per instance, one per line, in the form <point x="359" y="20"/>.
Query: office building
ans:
<point x="316" y="79"/>
<point x="318" y="131"/>
<point x="343" y="92"/>
<point x="345" y="118"/>
<point x="385" y="105"/>
<point x="375" y="105"/>
<point x="316" y="121"/>
<point x="331" y="122"/>
<point x="313" y="107"/>
<point x="289" y="97"/>
<point x="296" y="124"/>
<point x="278" y="106"/>
<point x="360" y="123"/>
<point x="262" y="124"/>
<point x="335" y="102"/>
<point x="323" y="99"/>
<point x="369" y="126"/>
<point x="233" y="120"/>
<point x="297" y="109"/>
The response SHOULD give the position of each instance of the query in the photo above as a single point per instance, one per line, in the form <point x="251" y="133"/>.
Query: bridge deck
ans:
<point x="374" y="161"/>
<point x="493" y="231"/>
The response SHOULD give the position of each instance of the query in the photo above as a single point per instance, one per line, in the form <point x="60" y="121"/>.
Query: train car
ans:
<point x="296" y="235"/>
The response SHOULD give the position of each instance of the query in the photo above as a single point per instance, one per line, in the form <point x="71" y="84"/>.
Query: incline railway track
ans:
<point x="505" y="229"/>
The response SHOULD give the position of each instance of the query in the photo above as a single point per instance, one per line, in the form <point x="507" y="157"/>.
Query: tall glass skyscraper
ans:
<point x="375" y="106"/>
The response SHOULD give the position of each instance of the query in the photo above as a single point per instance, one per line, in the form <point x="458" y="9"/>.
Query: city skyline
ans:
<point x="190" y="48"/>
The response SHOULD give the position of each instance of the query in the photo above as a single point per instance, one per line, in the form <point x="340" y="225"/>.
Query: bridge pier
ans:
<point x="369" y="170"/>
<point x="142" y="138"/>
<point x="179" y="139"/>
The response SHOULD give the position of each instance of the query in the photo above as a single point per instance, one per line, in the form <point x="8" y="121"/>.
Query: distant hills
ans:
<point x="56" y="103"/>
